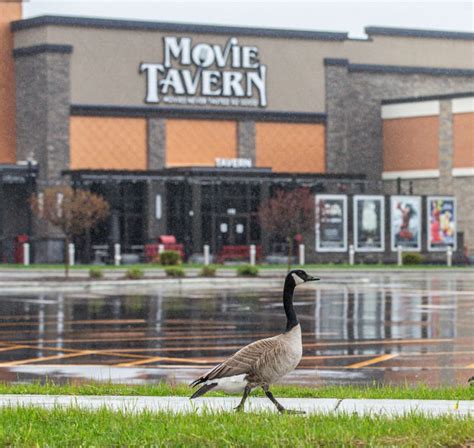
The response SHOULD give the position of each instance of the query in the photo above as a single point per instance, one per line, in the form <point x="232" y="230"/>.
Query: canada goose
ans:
<point x="262" y="362"/>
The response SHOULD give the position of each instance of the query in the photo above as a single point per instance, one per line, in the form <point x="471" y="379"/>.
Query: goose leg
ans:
<point x="281" y="409"/>
<point x="247" y="390"/>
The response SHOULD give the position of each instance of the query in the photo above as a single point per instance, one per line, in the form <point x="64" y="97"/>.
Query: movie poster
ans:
<point x="331" y="223"/>
<point x="369" y="223"/>
<point x="441" y="221"/>
<point x="405" y="219"/>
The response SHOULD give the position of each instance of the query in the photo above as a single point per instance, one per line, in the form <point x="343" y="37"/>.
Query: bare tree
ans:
<point x="288" y="214"/>
<point x="72" y="211"/>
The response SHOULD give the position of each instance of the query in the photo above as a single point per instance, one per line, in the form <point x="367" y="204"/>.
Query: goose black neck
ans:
<point x="291" y="319"/>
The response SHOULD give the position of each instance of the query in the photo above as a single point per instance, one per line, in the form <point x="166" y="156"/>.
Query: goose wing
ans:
<point x="244" y="361"/>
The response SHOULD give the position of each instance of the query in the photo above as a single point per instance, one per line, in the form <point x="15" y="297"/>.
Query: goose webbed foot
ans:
<point x="279" y="406"/>
<point x="291" y="411"/>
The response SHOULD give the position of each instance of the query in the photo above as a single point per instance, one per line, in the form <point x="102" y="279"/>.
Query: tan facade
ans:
<point x="105" y="63"/>
<point x="8" y="13"/>
<point x="108" y="143"/>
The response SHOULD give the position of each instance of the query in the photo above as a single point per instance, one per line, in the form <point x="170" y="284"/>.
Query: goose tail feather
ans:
<point x="202" y="390"/>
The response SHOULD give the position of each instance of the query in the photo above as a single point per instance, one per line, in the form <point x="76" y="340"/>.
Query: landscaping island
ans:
<point x="74" y="426"/>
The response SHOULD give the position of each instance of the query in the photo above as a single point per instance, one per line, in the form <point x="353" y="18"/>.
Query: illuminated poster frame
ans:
<point x="374" y="220"/>
<point x="336" y="225"/>
<point x="406" y="220"/>
<point x="439" y="223"/>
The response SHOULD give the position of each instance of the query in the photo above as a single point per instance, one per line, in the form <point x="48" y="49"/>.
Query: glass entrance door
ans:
<point x="232" y="230"/>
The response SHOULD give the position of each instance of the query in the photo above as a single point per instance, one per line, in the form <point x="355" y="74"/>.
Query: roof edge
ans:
<point x="89" y="22"/>
<point x="420" y="33"/>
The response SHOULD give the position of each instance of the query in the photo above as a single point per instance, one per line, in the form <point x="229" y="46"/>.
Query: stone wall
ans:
<point x="42" y="127"/>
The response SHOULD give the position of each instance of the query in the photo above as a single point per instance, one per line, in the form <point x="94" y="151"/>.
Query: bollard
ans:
<point x="351" y="255"/>
<point x="253" y="253"/>
<point x="72" y="254"/>
<point x="301" y="254"/>
<point x="400" y="255"/>
<point x="449" y="256"/>
<point x="26" y="254"/>
<point x="117" y="256"/>
<point x="161" y="248"/>
<point x="206" y="254"/>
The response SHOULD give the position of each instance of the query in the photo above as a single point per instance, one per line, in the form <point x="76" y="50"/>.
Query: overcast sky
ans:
<point x="347" y="16"/>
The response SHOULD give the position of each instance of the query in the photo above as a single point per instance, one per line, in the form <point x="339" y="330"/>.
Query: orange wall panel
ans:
<point x="411" y="143"/>
<point x="463" y="130"/>
<point x="9" y="11"/>
<point x="108" y="143"/>
<point x="199" y="142"/>
<point x="291" y="147"/>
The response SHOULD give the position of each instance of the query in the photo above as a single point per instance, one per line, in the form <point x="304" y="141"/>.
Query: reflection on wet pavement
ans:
<point x="360" y="329"/>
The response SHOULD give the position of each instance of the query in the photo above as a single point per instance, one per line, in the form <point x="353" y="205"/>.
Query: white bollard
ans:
<point x="449" y="256"/>
<point x="72" y="254"/>
<point x="117" y="256"/>
<point x="400" y="255"/>
<point x="301" y="254"/>
<point x="26" y="254"/>
<point x="161" y="248"/>
<point x="253" y="253"/>
<point x="351" y="255"/>
<point x="206" y="254"/>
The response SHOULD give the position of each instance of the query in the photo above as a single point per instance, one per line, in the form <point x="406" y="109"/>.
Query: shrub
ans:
<point x="95" y="273"/>
<point x="412" y="258"/>
<point x="134" y="274"/>
<point x="175" y="271"/>
<point x="247" y="270"/>
<point x="208" y="271"/>
<point x="170" y="258"/>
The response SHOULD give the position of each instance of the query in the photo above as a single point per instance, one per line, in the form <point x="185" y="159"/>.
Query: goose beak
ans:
<point x="311" y="278"/>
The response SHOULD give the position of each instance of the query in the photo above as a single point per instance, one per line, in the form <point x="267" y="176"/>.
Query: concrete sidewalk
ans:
<point x="184" y="404"/>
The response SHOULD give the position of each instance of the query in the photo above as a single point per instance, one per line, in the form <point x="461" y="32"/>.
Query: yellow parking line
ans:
<point x="165" y="358"/>
<point x="470" y="366"/>
<point x="46" y="358"/>
<point x="369" y="362"/>
<point x="13" y="347"/>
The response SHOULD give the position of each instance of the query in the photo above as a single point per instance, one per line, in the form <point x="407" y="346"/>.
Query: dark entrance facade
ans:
<point x="17" y="184"/>
<point x="213" y="206"/>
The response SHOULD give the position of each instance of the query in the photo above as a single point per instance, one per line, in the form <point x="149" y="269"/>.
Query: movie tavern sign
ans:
<point x="206" y="74"/>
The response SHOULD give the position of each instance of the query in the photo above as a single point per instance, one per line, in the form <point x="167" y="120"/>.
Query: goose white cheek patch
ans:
<point x="298" y="280"/>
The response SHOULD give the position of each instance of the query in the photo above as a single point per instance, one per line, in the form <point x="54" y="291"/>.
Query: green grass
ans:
<point x="76" y="427"/>
<point x="147" y="266"/>
<point x="163" y="389"/>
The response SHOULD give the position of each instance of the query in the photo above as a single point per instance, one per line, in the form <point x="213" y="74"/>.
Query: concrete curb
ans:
<point x="19" y="281"/>
<point x="391" y="408"/>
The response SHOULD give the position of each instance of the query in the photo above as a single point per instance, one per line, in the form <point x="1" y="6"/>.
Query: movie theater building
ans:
<point x="186" y="129"/>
